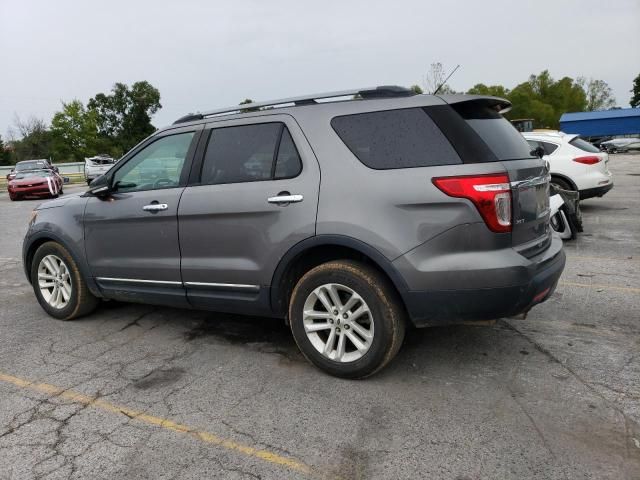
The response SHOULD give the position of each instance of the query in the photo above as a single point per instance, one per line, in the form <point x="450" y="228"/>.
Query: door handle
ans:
<point x="284" y="198"/>
<point x="155" y="207"/>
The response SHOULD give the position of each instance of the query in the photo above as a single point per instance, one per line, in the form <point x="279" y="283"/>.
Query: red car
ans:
<point x="35" y="183"/>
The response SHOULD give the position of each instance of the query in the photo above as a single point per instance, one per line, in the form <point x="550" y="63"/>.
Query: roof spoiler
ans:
<point x="500" y="105"/>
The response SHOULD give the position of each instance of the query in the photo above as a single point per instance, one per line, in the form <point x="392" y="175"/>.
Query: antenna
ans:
<point x="445" y="80"/>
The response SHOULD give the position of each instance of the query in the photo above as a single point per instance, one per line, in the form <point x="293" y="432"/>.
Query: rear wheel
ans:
<point x="58" y="284"/>
<point x="561" y="183"/>
<point x="346" y="318"/>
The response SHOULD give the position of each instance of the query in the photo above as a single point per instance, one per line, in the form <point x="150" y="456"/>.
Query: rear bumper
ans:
<point x="595" y="192"/>
<point x="487" y="286"/>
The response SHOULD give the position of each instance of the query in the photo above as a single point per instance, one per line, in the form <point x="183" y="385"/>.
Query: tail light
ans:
<point x="589" y="160"/>
<point x="491" y="194"/>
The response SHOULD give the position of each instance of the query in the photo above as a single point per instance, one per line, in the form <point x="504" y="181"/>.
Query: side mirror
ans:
<point x="101" y="186"/>
<point x="56" y="169"/>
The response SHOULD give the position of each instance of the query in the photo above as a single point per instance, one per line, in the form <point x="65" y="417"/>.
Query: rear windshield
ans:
<point x="404" y="138"/>
<point x="584" y="145"/>
<point x="497" y="132"/>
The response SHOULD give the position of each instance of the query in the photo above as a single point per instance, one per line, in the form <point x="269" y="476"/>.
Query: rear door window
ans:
<point x="404" y="138"/>
<point x="583" y="145"/>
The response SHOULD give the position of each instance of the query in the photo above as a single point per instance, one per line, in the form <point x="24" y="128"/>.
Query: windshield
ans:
<point x="30" y="165"/>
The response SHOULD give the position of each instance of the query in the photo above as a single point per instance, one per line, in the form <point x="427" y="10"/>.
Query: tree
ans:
<point x="34" y="141"/>
<point x="74" y="132"/>
<point x="246" y="101"/>
<point x="416" y="89"/>
<point x="124" y="116"/>
<point x="635" y="98"/>
<point x="5" y="153"/>
<point x="435" y="78"/>
<point x="599" y="94"/>
<point x="492" y="90"/>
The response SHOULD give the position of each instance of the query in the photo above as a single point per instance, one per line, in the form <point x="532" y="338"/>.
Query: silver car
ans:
<point x="350" y="219"/>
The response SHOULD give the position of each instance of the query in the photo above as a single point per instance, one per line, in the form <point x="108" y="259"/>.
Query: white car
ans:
<point x="96" y="166"/>
<point x="574" y="163"/>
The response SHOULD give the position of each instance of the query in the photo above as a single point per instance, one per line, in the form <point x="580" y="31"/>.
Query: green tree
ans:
<point x="635" y="98"/>
<point x="492" y="90"/>
<point x="124" y="115"/>
<point x="34" y="139"/>
<point x="74" y="132"/>
<point x="5" y="153"/>
<point x="416" y="89"/>
<point x="246" y="101"/>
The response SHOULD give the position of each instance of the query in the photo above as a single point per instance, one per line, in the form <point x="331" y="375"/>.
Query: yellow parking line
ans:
<point x="206" y="437"/>
<point x="604" y="287"/>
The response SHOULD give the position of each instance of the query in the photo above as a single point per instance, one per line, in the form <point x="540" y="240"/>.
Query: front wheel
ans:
<point x="58" y="284"/>
<point x="347" y="318"/>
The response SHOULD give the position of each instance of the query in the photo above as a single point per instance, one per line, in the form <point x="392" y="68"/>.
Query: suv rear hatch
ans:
<point x="488" y="137"/>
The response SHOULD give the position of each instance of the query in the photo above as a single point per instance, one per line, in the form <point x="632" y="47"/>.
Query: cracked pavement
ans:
<point x="556" y="395"/>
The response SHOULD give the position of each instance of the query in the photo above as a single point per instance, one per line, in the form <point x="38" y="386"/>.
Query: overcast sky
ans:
<point x="207" y="54"/>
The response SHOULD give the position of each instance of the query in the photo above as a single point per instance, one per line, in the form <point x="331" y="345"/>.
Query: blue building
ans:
<point x="623" y="121"/>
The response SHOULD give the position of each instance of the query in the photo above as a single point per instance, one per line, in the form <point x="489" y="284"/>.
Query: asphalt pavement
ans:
<point x="146" y="392"/>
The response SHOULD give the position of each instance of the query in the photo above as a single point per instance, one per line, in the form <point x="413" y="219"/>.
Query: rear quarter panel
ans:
<point x="392" y="210"/>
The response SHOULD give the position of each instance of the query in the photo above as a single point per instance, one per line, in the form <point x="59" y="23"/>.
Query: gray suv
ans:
<point x="352" y="215"/>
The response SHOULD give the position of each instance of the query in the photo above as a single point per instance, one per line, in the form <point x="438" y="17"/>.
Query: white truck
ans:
<point x="96" y="166"/>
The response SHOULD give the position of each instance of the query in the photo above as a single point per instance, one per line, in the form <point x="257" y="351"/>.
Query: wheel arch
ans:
<point x="320" y="249"/>
<point x="565" y="178"/>
<point x="38" y="239"/>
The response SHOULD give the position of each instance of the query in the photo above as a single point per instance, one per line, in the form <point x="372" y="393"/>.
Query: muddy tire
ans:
<point x="58" y="283"/>
<point x="347" y="318"/>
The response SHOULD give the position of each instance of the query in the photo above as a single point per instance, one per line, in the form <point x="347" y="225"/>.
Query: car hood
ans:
<point x="59" y="202"/>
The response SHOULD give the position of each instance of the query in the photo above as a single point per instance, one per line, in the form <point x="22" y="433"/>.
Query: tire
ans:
<point x="80" y="301"/>
<point x="13" y="198"/>
<point x="562" y="184"/>
<point x="383" y="323"/>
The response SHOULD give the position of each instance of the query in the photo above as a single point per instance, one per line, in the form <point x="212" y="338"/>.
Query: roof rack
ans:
<point x="385" y="91"/>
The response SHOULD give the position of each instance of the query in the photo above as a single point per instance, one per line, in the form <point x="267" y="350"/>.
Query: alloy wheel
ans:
<point x="54" y="281"/>
<point x="338" y="322"/>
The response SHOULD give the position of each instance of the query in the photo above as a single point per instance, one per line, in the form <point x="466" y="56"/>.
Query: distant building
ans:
<point x="621" y="121"/>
